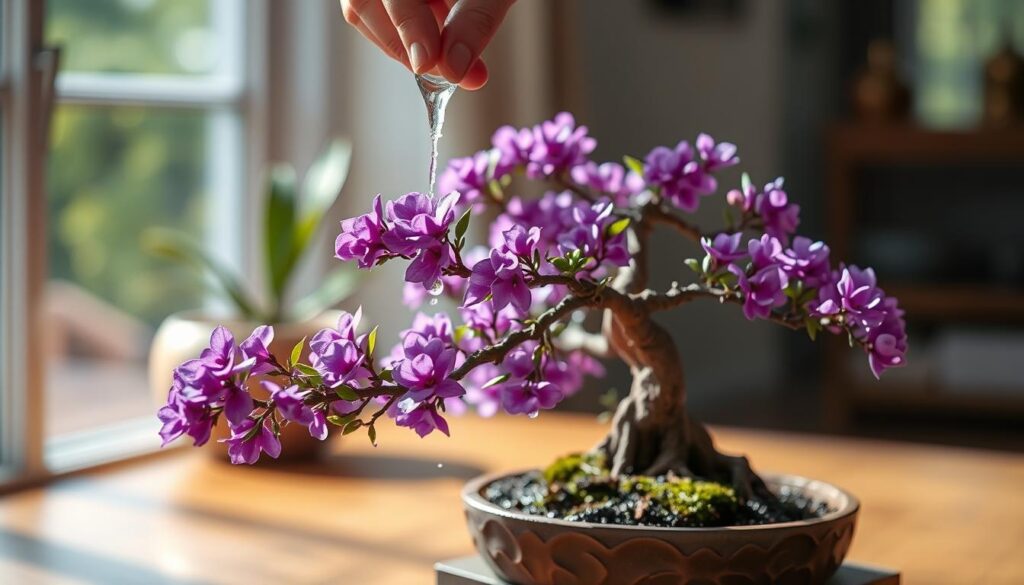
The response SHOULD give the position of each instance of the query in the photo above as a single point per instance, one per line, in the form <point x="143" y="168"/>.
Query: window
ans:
<point x="150" y="127"/>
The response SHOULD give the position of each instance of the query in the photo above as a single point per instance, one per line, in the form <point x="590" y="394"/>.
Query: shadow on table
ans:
<point x="382" y="467"/>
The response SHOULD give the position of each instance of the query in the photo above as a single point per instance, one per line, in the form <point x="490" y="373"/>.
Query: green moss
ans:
<point x="701" y="502"/>
<point x="581" y="479"/>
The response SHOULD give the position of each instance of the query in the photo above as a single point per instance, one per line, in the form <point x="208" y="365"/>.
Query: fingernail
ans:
<point x="418" y="57"/>
<point x="459" y="58"/>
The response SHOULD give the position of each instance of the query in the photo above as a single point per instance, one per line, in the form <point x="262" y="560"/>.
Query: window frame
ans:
<point x="236" y="103"/>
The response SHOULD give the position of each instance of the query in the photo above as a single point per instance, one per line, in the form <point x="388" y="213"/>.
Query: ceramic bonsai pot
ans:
<point x="183" y="336"/>
<point x="534" y="550"/>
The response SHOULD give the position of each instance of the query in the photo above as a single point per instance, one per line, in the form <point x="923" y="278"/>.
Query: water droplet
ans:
<point x="534" y="414"/>
<point x="433" y="302"/>
<point x="436" y="289"/>
<point x="436" y="92"/>
<point x="440" y="465"/>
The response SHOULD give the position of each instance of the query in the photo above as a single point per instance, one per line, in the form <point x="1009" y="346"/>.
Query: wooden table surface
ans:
<point x="384" y="515"/>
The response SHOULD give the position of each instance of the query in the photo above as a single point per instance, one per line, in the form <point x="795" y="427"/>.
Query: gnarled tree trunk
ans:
<point x="651" y="433"/>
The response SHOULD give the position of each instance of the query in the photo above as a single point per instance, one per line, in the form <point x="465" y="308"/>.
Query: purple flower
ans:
<point x="503" y="274"/>
<point x="246" y="448"/>
<point x="513" y="145"/>
<point x="887" y="342"/>
<point x="529" y="397"/>
<point x="219" y="359"/>
<point x="589" y="234"/>
<point x="486" y="400"/>
<point x="483" y="316"/>
<point x="780" y="217"/>
<point x="422" y="418"/>
<point x="610" y="178"/>
<point x="763" y="291"/>
<point x="424" y="371"/>
<point x="765" y="251"/>
<point x="361" y="237"/>
<point x="337" y="354"/>
<point x="569" y="373"/>
<point x="180" y="417"/>
<point x="469" y="176"/>
<point x="724" y="248"/>
<point x="855" y="294"/>
<point x="558" y="145"/>
<point x="290" y="402"/>
<point x="257" y="347"/>
<point x="680" y="177"/>
<point x="716" y="156"/>
<point x="807" y="261"/>
<point x="418" y="226"/>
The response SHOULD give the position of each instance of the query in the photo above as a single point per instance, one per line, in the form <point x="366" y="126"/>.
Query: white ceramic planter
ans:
<point x="183" y="336"/>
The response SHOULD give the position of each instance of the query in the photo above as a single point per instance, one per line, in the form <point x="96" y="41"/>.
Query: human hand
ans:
<point x="444" y="37"/>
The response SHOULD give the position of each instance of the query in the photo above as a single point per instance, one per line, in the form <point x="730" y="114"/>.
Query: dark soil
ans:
<point x="598" y="500"/>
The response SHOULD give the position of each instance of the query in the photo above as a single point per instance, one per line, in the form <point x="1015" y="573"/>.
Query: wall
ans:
<point x="651" y="80"/>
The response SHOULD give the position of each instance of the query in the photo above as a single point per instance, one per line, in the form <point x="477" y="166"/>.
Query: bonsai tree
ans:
<point x="518" y="342"/>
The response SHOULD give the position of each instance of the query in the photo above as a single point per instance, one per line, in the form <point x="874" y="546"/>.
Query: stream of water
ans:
<point x="436" y="92"/>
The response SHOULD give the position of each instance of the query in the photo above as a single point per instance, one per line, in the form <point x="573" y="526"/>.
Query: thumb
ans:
<point x="470" y="26"/>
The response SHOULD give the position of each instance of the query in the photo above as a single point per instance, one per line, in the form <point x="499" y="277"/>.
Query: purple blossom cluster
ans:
<point x="413" y="226"/>
<point x="848" y="298"/>
<point x="541" y="250"/>
<point x="770" y="206"/>
<point x="213" y="385"/>
<point x="683" y="174"/>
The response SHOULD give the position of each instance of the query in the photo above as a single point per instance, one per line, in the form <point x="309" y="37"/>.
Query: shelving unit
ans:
<point x="851" y="148"/>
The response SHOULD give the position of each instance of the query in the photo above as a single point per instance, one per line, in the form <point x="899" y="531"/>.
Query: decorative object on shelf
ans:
<point x="879" y="93"/>
<point x="520" y="346"/>
<point x="1004" y="88"/>
<point x="291" y="224"/>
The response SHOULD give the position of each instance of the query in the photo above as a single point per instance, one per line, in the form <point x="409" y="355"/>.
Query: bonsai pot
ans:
<point x="184" y="335"/>
<point x="527" y="549"/>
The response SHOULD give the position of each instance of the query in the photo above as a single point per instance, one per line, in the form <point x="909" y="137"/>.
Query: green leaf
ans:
<point x="460" y="333"/>
<point x="463" y="224"/>
<point x="813" y="327"/>
<point x="296" y="354"/>
<point x="633" y="164"/>
<point x="495" y="381"/>
<point x="339" y="420"/>
<point x="307" y="369"/>
<point x="278" y="229"/>
<point x="371" y="341"/>
<point x="706" y="264"/>
<point x="746" y="183"/>
<point x="346" y="393"/>
<point x="693" y="264"/>
<point x="321" y="189"/>
<point x="372" y="433"/>
<point x="616" y="227"/>
<point x="178" y="247"/>
<point x="352" y="427"/>
<point x="337" y="286"/>
<point x="386" y="375"/>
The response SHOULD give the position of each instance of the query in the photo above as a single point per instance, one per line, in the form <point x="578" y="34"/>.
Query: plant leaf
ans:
<point x="336" y="287"/>
<point x="296" y="354"/>
<point x="372" y="433"/>
<point x="178" y="247"/>
<point x="463" y="224"/>
<point x="371" y="341"/>
<point x="346" y="392"/>
<point x="495" y="381"/>
<point x="320" y="190"/>
<point x="634" y="164"/>
<point x="617" y="227"/>
<point x="352" y="426"/>
<point x="279" y="226"/>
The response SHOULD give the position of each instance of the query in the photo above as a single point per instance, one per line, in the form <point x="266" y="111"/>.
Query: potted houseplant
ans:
<point x="290" y="226"/>
<point x="655" y="501"/>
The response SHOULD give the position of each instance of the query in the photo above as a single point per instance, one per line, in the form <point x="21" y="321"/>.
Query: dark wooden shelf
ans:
<point x="932" y="399"/>
<point x="908" y="144"/>
<point x="959" y="301"/>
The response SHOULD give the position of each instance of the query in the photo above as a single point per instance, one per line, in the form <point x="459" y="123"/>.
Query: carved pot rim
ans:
<point x="842" y="504"/>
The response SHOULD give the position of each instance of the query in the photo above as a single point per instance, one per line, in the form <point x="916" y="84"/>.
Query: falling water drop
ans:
<point x="433" y="302"/>
<point x="436" y="289"/>
<point x="534" y="414"/>
<point x="436" y="92"/>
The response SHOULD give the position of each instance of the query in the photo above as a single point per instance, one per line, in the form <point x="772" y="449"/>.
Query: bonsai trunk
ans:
<point x="652" y="433"/>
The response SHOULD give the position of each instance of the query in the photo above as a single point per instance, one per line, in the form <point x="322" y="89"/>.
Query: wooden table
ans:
<point x="384" y="515"/>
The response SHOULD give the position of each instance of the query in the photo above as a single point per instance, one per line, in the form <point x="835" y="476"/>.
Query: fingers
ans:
<point x="418" y="30"/>
<point x="470" y="26"/>
<point x="370" y="19"/>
